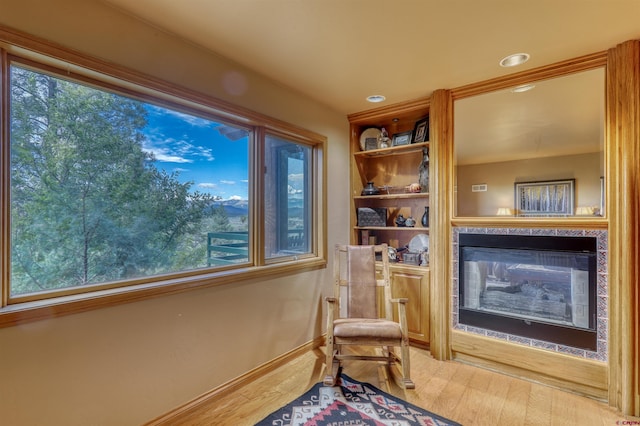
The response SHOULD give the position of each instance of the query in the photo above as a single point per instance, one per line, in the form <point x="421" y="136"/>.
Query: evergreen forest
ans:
<point x="87" y="204"/>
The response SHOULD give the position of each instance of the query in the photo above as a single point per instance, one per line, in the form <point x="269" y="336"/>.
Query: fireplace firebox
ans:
<point x="538" y="287"/>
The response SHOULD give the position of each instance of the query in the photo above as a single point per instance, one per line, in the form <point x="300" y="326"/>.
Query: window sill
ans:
<point x="20" y="313"/>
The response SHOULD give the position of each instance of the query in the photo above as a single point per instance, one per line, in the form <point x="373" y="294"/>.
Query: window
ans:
<point x="107" y="188"/>
<point x="112" y="187"/>
<point x="288" y="210"/>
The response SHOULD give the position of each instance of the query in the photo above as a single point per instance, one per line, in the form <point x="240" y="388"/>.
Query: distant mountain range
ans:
<point x="241" y="207"/>
<point x="234" y="207"/>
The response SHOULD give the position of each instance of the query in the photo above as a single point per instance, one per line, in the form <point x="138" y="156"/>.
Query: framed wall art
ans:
<point x="421" y="131"/>
<point x="403" y="138"/>
<point x="546" y="198"/>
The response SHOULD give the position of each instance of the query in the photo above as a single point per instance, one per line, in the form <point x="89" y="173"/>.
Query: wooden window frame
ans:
<point x="44" y="56"/>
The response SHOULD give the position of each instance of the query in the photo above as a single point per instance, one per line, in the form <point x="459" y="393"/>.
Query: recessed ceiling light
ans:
<point x="523" y="88"/>
<point x="375" y="98"/>
<point x="515" y="59"/>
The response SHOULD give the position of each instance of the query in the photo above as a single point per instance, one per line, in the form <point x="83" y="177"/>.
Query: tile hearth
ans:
<point x="600" y="354"/>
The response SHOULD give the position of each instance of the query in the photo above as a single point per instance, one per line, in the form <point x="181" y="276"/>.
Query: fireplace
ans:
<point x="539" y="287"/>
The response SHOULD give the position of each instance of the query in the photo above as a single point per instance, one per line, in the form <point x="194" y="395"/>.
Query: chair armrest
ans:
<point x="332" y="308"/>
<point x="402" y="315"/>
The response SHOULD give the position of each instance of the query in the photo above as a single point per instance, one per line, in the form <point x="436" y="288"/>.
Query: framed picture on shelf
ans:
<point x="421" y="131"/>
<point x="403" y="138"/>
<point x="370" y="143"/>
<point x="546" y="198"/>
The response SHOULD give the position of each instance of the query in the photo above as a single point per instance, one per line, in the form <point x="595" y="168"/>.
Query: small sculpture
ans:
<point x="424" y="258"/>
<point x="423" y="171"/>
<point x="400" y="220"/>
<point x="383" y="138"/>
<point x="393" y="254"/>
<point x="410" y="222"/>
<point x="414" y="187"/>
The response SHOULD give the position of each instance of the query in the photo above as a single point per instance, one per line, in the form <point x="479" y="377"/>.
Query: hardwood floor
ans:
<point x="466" y="394"/>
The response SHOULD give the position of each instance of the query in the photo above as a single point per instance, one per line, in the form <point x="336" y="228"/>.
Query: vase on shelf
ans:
<point x="370" y="189"/>
<point x="423" y="171"/>
<point x="425" y="218"/>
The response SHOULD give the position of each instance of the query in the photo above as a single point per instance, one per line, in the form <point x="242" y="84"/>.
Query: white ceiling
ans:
<point x="340" y="51"/>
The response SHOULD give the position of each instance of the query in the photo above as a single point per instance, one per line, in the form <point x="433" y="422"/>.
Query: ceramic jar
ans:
<point x="370" y="189"/>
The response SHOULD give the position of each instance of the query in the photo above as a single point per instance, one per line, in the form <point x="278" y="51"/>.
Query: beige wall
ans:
<point x="586" y="169"/>
<point x="127" y="364"/>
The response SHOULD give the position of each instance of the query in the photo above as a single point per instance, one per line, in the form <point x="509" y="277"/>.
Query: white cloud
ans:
<point x="228" y="182"/>
<point x="207" y="185"/>
<point x="205" y="152"/>
<point x="171" y="150"/>
<point x="191" y="119"/>
<point x="235" y="198"/>
<point x="165" y="155"/>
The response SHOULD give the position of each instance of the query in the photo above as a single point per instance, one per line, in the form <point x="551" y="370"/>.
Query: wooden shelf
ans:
<point x="394" y="150"/>
<point x="404" y="195"/>
<point x="392" y="228"/>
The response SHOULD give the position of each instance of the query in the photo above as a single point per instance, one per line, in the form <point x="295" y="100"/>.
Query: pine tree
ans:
<point x="87" y="204"/>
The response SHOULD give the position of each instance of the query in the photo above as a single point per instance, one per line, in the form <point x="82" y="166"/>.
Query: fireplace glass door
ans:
<point x="522" y="288"/>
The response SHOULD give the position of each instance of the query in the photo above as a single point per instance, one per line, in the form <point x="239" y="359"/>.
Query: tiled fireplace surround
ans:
<point x="602" y="298"/>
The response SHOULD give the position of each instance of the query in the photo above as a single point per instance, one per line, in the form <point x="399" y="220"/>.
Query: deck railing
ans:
<point x="231" y="247"/>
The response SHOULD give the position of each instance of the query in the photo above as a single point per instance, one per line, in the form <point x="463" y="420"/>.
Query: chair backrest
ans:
<point x="357" y="276"/>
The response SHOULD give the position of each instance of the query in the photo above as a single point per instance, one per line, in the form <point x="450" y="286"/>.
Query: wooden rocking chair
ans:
<point x="354" y="271"/>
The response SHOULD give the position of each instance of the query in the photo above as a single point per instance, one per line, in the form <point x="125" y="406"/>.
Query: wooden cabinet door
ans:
<point x="413" y="283"/>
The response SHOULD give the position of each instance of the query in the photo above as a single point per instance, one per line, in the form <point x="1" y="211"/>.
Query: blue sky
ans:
<point x="192" y="147"/>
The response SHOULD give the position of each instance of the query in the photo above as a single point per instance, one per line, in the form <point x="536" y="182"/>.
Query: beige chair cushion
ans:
<point x="367" y="328"/>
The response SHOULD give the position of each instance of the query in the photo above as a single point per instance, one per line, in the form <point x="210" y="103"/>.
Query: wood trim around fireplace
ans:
<point x="582" y="376"/>
<point x="623" y="209"/>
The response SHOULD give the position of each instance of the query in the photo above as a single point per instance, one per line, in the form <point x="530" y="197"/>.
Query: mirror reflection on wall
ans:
<point x="550" y="132"/>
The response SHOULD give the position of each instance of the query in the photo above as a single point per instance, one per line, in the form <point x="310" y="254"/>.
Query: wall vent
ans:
<point x="481" y="187"/>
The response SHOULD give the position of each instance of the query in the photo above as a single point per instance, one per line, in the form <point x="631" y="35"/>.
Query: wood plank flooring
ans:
<point x="466" y="394"/>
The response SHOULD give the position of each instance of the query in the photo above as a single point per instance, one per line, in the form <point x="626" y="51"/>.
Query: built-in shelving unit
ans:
<point x="392" y="170"/>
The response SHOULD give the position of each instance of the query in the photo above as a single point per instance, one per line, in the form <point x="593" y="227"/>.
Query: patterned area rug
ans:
<point x="351" y="403"/>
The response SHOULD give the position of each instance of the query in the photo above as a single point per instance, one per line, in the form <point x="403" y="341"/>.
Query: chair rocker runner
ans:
<point x="354" y="270"/>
